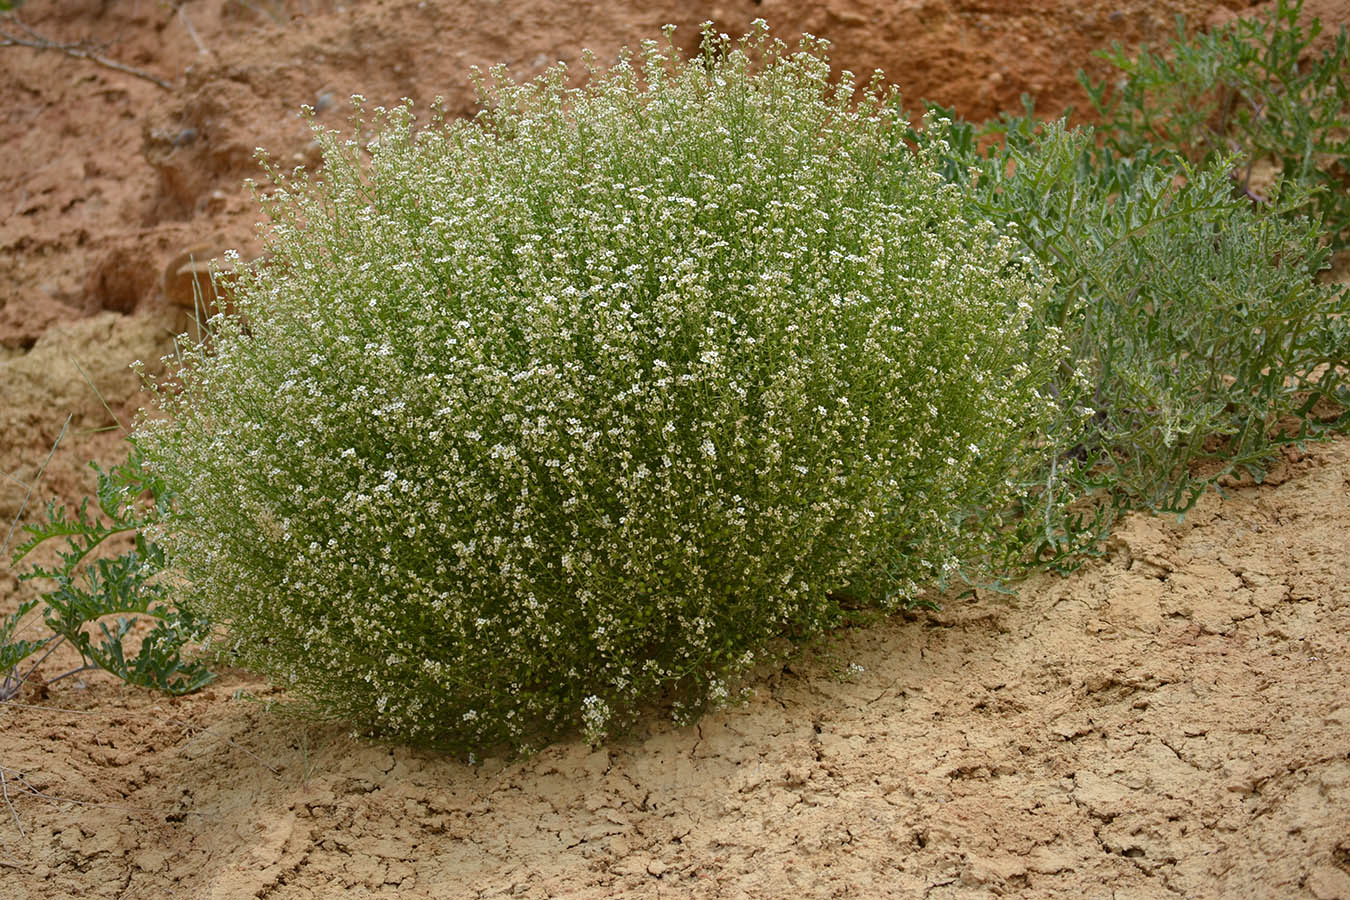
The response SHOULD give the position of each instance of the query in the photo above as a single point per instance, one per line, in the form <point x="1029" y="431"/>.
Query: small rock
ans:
<point x="150" y="860"/>
<point x="849" y="18"/>
<point x="1102" y="796"/>
<point x="1070" y="726"/>
<point x="216" y="202"/>
<point x="994" y="870"/>
<point x="656" y="868"/>
<point x="1051" y="861"/>
<point x="1328" y="883"/>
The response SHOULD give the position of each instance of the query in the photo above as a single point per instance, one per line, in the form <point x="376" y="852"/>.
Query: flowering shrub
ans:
<point x="539" y="417"/>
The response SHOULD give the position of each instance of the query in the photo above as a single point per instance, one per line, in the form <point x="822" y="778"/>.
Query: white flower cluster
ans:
<point x="540" y="416"/>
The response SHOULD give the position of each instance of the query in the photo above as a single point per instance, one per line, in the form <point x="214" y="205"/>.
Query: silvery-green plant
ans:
<point x="1258" y="90"/>
<point x="540" y="417"/>
<point x="1199" y="340"/>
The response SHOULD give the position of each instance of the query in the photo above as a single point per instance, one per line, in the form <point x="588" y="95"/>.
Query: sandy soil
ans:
<point x="1174" y="720"/>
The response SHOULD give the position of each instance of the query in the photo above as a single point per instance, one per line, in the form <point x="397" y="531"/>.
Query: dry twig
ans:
<point x="4" y="786"/>
<point x="27" y="37"/>
<point x="187" y="24"/>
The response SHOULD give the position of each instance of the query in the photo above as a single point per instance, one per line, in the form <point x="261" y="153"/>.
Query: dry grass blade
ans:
<point x="93" y="387"/>
<point x="32" y="487"/>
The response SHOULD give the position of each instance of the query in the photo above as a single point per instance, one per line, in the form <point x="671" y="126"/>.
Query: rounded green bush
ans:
<point x="540" y="417"/>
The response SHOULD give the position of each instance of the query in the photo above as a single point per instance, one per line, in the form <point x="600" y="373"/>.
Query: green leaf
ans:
<point x="95" y="601"/>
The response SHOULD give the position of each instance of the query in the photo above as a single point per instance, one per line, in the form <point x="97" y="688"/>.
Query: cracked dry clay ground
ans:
<point x="1171" y="721"/>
